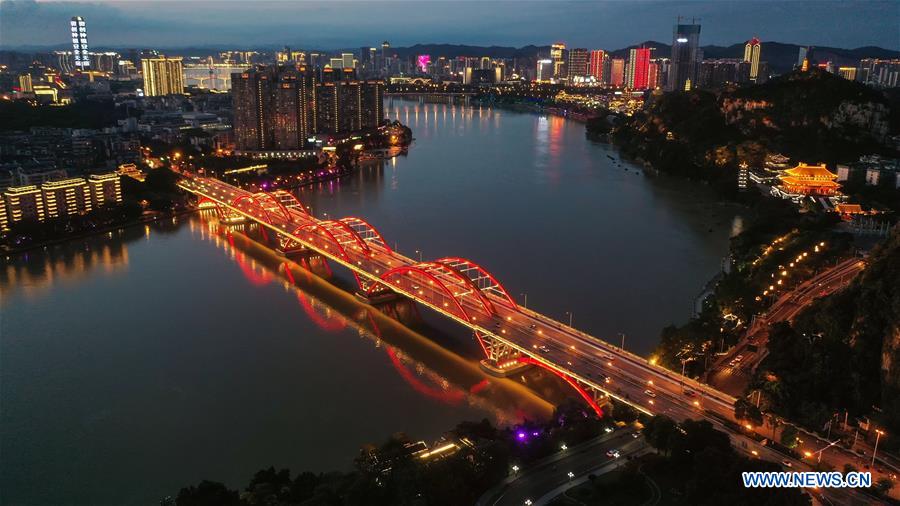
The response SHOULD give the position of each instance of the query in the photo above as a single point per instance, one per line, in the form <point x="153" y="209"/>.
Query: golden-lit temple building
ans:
<point x="809" y="180"/>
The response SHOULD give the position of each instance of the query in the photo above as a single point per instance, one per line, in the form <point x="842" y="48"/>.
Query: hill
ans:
<point x="852" y="360"/>
<point x="811" y="116"/>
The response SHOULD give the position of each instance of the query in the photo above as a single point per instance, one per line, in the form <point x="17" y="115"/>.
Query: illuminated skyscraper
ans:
<point x="751" y="54"/>
<point x="347" y="60"/>
<point x="595" y="64"/>
<point x="577" y="65"/>
<point x="617" y="72"/>
<point x="544" y="71"/>
<point x="25" y="83"/>
<point x="162" y="76"/>
<point x="558" y="55"/>
<point x="80" y="43"/>
<point x="279" y="108"/>
<point x="685" y="56"/>
<point x="638" y="72"/>
<point x="653" y="75"/>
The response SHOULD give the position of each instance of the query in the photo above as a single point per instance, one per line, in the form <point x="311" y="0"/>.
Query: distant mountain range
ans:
<point x="781" y="57"/>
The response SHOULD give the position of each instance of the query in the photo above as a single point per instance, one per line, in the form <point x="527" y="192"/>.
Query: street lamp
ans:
<point x="571" y="475"/>
<point x="622" y="334"/>
<point x="525" y="303"/>
<point x="878" y="434"/>
<point x="570" y="317"/>
<point x="515" y="469"/>
<point x="528" y="502"/>
<point x="420" y="255"/>
<point x="564" y="447"/>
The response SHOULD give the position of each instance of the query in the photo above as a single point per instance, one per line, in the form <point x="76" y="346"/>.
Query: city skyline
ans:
<point x="351" y="24"/>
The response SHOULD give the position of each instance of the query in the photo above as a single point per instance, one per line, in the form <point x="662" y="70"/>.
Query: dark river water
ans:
<point x="141" y="361"/>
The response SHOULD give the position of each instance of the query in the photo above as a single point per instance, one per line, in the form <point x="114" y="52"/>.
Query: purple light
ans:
<point x="423" y="61"/>
<point x="521" y="435"/>
<point x="534" y="433"/>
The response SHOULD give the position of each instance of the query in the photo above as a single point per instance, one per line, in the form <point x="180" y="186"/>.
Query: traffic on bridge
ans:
<point x="510" y="335"/>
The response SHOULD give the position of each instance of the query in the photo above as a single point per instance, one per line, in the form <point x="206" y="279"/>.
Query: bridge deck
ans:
<point x="589" y="361"/>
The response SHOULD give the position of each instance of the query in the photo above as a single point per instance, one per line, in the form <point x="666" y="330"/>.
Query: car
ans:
<point x="544" y="349"/>
<point x="635" y="435"/>
<point x="613" y="454"/>
<point x="607" y="356"/>
<point x="738" y="358"/>
<point x="787" y="463"/>
<point x="690" y="393"/>
<point x="650" y="393"/>
<point x="532" y="326"/>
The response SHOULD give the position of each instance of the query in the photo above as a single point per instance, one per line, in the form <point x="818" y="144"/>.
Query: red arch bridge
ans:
<point x="510" y="335"/>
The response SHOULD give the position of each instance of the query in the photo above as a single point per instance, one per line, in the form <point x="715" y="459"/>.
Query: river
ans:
<point x="147" y="359"/>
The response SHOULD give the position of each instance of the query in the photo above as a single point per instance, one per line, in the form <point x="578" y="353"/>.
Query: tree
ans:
<point x="660" y="432"/>
<point x="207" y="493"/>
<point x="884" y="485"/>
<point x="743" y="410"/>
<point x="789" y="436"/>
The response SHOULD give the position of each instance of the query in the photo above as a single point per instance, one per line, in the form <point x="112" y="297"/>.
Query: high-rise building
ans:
<point x="751" y="55"/>
<point x="879" y="73"/>
<point x="653" y="75"/>
<point x="162" y="76"/>
<point x="685" y="56"/>
<point x="279" y="108"/>
<point x="595" y="64"/>
<point x="558" y="55"/>
<point x="80" y="43"/>
<point x="68" y="197"/>
<point x="848" y="73"/>
<point x="638" y="71"/>
<point x="347" y="61"/>
<point x="251" y="94"/>
<point x="617" y="72"/>
<point x="577" y="65"/>
<point x="24" y="203"/>
<point x="385" y="55"/>
<point x="25" y="85"/>
<point x="544" y="72"/>
<point x="106" y="189"/>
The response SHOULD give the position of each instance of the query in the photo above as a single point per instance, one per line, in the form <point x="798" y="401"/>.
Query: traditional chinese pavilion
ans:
<point x="809" y="180"/>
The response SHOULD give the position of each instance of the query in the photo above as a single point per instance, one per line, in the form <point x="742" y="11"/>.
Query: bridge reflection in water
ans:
<point x="430" y="369"/>
<point x="461" y="290"/>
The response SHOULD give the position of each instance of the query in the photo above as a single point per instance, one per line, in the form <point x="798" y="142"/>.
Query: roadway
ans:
<point x="544" y="481"/>
<point x="481" y="304"/>
<point x="732" y="372"/>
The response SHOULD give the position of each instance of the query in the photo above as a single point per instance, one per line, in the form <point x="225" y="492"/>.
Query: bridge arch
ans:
<point x="289" y="201"/>
<point x="588" y="398"/>
<point x="464" y="281"/>
<point x="398" y="274"/>
<point x="236" y="202"/>
<point x="367" y="232"/>
<point x="483" y="279"/>
<point x="274" y="205"/>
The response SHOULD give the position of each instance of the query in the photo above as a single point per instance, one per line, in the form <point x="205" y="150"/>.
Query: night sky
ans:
<point x="342" y="24"/>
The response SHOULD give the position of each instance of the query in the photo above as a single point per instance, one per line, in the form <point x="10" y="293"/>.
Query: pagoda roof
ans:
<point x="848" y="208"/>
<point x="811" y="171"/>
<point x="806" y="181"/>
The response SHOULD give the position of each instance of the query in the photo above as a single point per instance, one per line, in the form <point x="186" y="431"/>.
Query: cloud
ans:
<point x="341" y="24"/>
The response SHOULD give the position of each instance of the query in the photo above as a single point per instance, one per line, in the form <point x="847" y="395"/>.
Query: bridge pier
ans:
<point x="502" y="361"/>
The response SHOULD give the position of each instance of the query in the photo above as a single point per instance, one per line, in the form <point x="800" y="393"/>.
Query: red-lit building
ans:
<point x="595" y="64"/>
<point x="638" y="73"/>
<point x="617" y="72"/>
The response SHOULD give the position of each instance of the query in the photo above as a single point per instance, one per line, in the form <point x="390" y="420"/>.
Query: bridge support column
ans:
<point x="502" y="360"/>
